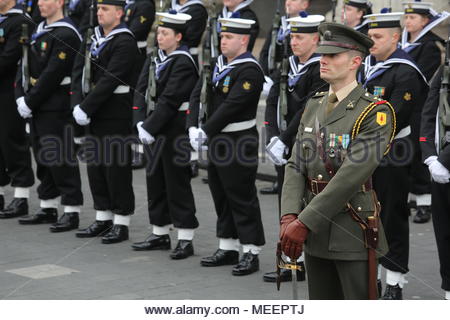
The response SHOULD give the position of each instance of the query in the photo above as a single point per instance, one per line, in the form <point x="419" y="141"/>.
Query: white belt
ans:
<point x="184" y="106"/>
<point x="66" y="81"/>
<point x="122" y="89"/>
<point x="406" y="131"/>
<point x="193" y="51"/>
<point x="239" y="126"/>
<point x="142" y="44"/>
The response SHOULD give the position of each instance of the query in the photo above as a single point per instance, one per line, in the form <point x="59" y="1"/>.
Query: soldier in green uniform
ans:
<point x="327" y="197"/>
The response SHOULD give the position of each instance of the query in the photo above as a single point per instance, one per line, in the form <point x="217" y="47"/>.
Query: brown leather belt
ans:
<point x="316" y="186"/>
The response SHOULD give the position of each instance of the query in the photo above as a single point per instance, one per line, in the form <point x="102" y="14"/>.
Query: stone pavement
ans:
<point x="36" y="264"/>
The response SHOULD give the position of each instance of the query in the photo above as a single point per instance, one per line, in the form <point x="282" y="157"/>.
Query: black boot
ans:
<point x="273" y="189"/>
<point x="285" y="275"/>
<point x="153" y="242"/>
<point x="68" y="221"/>
<point x="43" y="215"/>
<point x="392" y="293"/>
<point x="18" y="207"/>
<point x="183" y="250"/>
<point x="248" y="264"/>
<point x="118" y="233"/>
<point x="2" y="202"/>
<point x="98" y="228"/>
<point x="220" y="258"/>
<point x="423" y="214"/>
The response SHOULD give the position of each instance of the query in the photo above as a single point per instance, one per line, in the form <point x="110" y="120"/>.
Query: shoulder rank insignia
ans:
<point x="407" y="96"/>
<point x="381" y="118"/>
<point x="143" y="19"/>
<point x="247" y="86"/>
<point x="62" y="55"/>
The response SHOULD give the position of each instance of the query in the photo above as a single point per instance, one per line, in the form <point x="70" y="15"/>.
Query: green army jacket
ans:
<point x="354" y="136"/>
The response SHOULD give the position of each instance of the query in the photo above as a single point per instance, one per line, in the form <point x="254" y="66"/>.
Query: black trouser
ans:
<point x="169" y="192"/>
<point x="57" y="165"/>
<point x="232" y="167"/>
<point x="440" y="206"/>
<point x="109" y="165"/>
<point x="337" y="279"/>
<point x="391" y="186"/>
<point x="420" y="181"/>
<point x="15" y="155"/>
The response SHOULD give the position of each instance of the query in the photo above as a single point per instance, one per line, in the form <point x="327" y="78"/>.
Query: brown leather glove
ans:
<point x="293" y="239"/>
<point x="285" y="220"/>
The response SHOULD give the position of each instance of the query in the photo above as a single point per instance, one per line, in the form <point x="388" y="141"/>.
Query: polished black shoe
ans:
<point x="285" y="275"/>
<point x="273" y="189"/>
<point x="2" y="202"/>
<point x="183" y="250"/>
<point x="194" y="169"/>
<point x="248" y="264"/>
<point x="137" y="160"/>
<point x="118" y="233"/>
<point x="18" y="207"/>
<point x="220" y="258"/>
<point x="153" y="242"/>
<point x="98" y="228"/>
<point x="68" y="221"/>
<point x="423" y="214"/>
<point x="43" y="215"/>
<point x="392" y="293"/>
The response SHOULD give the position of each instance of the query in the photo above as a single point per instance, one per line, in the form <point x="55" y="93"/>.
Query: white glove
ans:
<point x="439" y="173"/>
<point x="276" y="150"/>
<point x="197" y="137"/>
<point x="266" y="87"/>
<point x="80" y="116"/>
<point x="144" y="136"/>
<point x="23" y="109"/>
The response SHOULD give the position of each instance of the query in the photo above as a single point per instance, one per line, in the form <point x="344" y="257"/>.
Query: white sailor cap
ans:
<point x="119" y="3"/>
<point x="357" y="3"/>
<point x="417" y="7"/>
<point x="173" y="20"/>
<point x="385" y="19"/>
<point x="236" y="25"/>
<point x="305" y="23"/>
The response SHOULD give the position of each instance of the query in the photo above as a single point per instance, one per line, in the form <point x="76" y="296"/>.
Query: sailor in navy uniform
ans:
<point x="424" y="47"/>
<point x="139" y="17"/>
<point x="436" y="155"/>
<point x="303" y="82"/>
<point x="240" y="9"/>
<point x="192" y="38"/>
<point x="166" y="144"/>
<point x="77" y="11"/>
<point x="196" y="26"/>
<point x="54" y="45"/>
<point x="106" y="112"/>
<point x="232" y="140"/>
<point x="15" y="156"/>
<point x="31" y="8"/>
<point x="292" y="9"/>
<point x="353" y="12"/>
<point x="391" y="74"/>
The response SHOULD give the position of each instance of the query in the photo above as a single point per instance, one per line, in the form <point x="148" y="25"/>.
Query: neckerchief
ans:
<point x="221" y="69"/>
<point x="298" y="69"/>
<point x="99" y="41"/>
<point x="43" y="28"/>
<point x="373" y="69"/>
